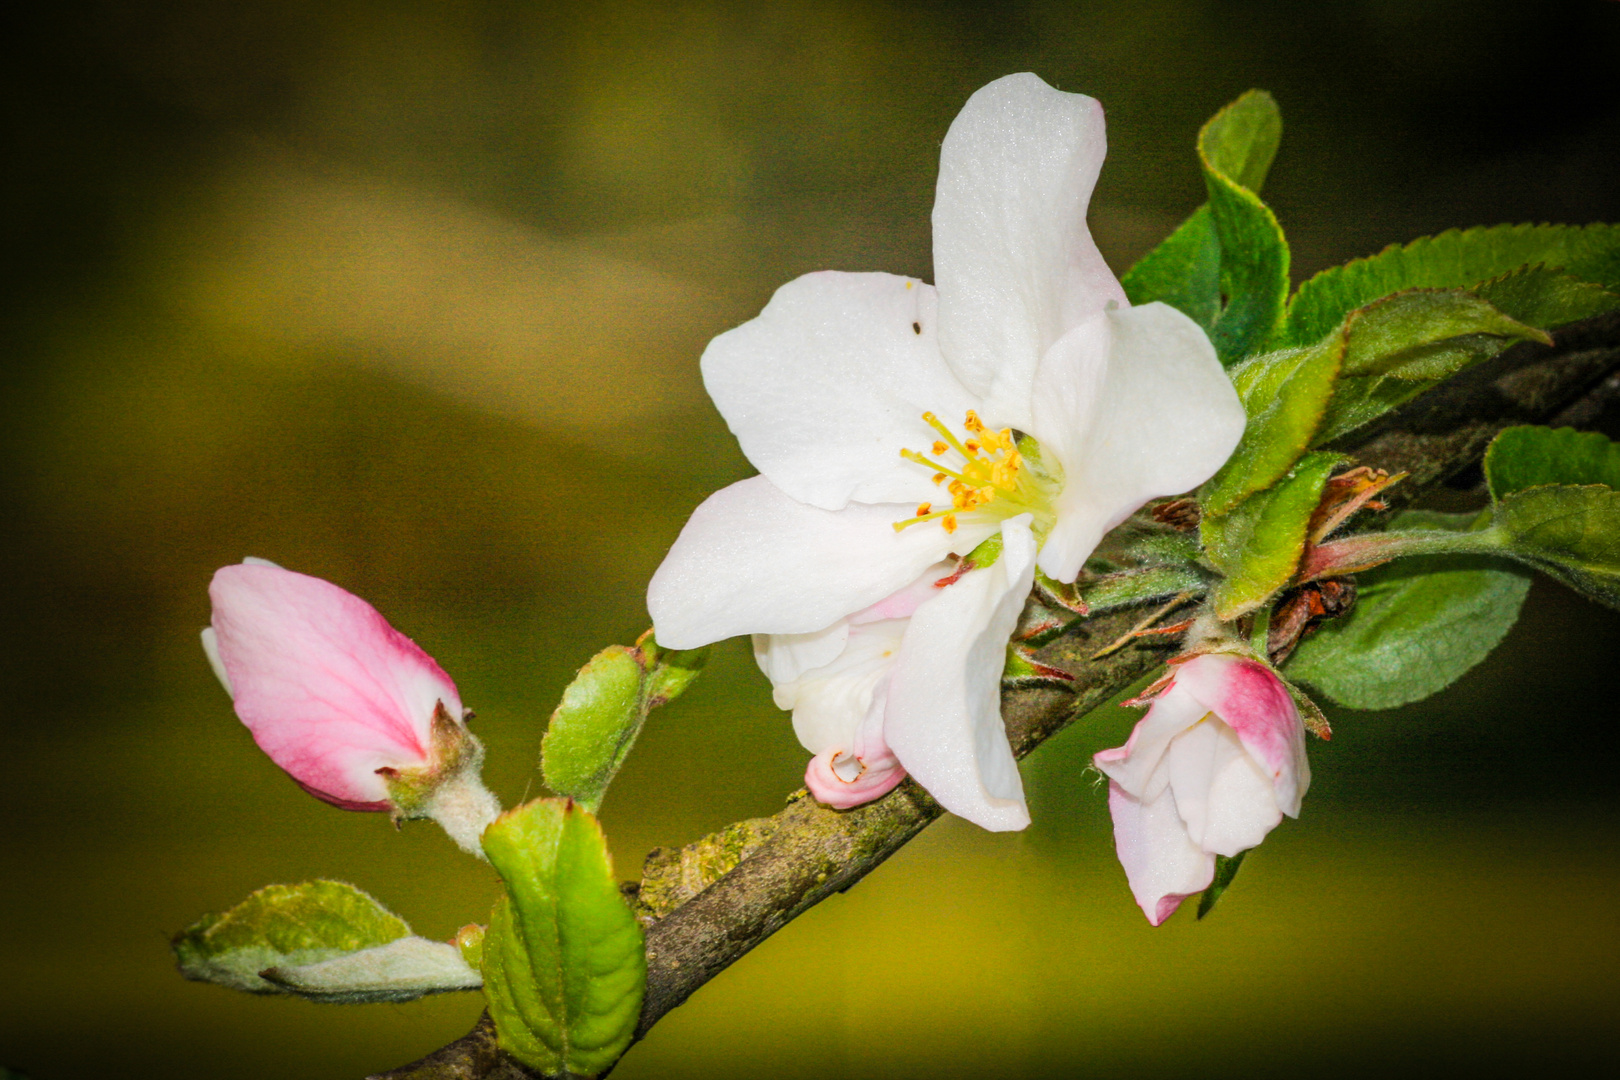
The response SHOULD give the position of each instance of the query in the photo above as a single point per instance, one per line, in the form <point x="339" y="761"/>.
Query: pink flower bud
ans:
<point x="1210" y="770"/>
<point x="352" y="709"/>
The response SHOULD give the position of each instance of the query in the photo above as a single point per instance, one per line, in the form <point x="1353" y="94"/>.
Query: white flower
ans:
<point x="1210" y="770"/>
<point x="1075" y="408"/>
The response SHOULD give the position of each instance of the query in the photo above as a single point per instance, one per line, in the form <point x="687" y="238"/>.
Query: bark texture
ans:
<point x="807" y="852"/>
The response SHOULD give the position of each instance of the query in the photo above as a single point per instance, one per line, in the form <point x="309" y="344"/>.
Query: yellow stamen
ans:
<point x="923" y="508"/>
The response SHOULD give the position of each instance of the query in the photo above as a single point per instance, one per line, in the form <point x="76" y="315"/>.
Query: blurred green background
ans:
<point x="410" y="296"/>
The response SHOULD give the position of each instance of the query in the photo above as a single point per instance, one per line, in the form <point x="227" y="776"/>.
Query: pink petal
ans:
<point x="841" y="780"/>
<point x="1256" y="705"/>
<point x="1161" y="862"/>
<point x="329" y="690"/>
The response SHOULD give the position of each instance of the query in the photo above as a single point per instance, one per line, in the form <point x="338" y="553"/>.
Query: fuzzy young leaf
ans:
<point x="564" y="964"/>
<point x="1418" y="625"/>
<point x="1236" y="147"/>
<point x="1571" y="534"/>
<point x="1526" y="457"/>
<point x="283" y="926"/>
<point x="1452" y="260"/>
<point x="402" y="970"/>
<point x="603" y="710"/>
<point x="1545" y="297"/>
<point x="1184" y="271"/>
<point x="1258" y="545"/>
<point x="1126" y="588"/>
<point x="1285" y="394"/>
<point x="1428" y="334"/>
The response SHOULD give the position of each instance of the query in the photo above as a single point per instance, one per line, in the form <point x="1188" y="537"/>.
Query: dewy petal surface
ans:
<point x="944" y="712"/>
<point x="1162" y="865"/>
<point x="1135" y="405"/>
<point x="829" y="383"/>
<point x="329" y="690"/>
<point x="1014" y="262"/>
<point x="751" y="560"/>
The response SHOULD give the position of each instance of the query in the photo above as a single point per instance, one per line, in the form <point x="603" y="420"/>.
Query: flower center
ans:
<point x="998" y="474"/>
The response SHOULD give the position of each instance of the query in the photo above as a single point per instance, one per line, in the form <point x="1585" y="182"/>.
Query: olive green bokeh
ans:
<point x="410" y="296"/>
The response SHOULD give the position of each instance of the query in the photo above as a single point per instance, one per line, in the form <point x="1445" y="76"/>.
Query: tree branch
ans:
<point x="807" y="852"/>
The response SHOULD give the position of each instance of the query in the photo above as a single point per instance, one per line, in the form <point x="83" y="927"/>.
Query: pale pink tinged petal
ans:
<point x="832" y="703"/>
<point x="903" y="604"/>
<point x="1254" y="702"/>
<point x="1242" y="803"/>
<point x="210" y="644"/>
<point x="829" y="383"/>
<point x="1160" y="419"/>
<point x="329" y="690"/>
<point x="1162" y="865"/>
<point x="1013" y="259"/>
<point x="1135" y="766"/>
<point x="944" y="710"/>
<point x="751" y="560"/>
<point x="841" y="782"/>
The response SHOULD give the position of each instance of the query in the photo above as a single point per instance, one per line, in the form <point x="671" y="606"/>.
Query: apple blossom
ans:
<point x="1210" y="770"/>
<point x="1075" y="409"/>
<point x="349" y="707"/>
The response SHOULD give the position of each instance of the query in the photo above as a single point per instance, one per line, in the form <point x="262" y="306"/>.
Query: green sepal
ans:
<point x="1453" y="260"/>
<point x="988" y="553"/>
<point x="1184" y="271"/>
<point x="564" y="963"/>
<point x="1529" y="456"/>
<point x="1417" y="627"/>
<point x="602" y="712"/>
<point x="1257" y="546"/>
<point x="1226" y="868"/>
<point x="283" y="926"/>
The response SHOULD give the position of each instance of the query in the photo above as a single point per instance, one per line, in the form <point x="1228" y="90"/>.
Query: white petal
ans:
<point x="1159" y="419"/>
<point x="785" y="657"/>
<point x="1136" y="765"/>
<point x="210" y="644"/>
<point x="1014" y="262"/>
<point x="1224" y="797"/>
<point x="753" y="561"/>
<point x="944" y="711"/>
<point x="1242" y="804"/>
<point x="827" y="386"/>
<point x="1161" y="863"/>
<point x="830" y="703"/>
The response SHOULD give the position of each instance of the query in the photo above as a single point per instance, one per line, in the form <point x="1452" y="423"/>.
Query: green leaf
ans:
<point x="1541" y="296"/>
<point x="1571" y="534"/>
<point x="1185" y="270"/>
<point x="1417" y="627"/>
<point x="283" y="926"/>
<point x="402" y="970"/>
<point x="564" y="964"/>
<point x="1428" y="334"/>
<point x="603" y="710"/>
<point x="1526" y="457"/>
<point x="1257" y="546"/>
<point x="1236" y="146"/>
<point x="1452" y="260"/>
<point x="1126" y="588"/>
<point x="1285" y="395"/>
<point x="1226" y="868"/>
